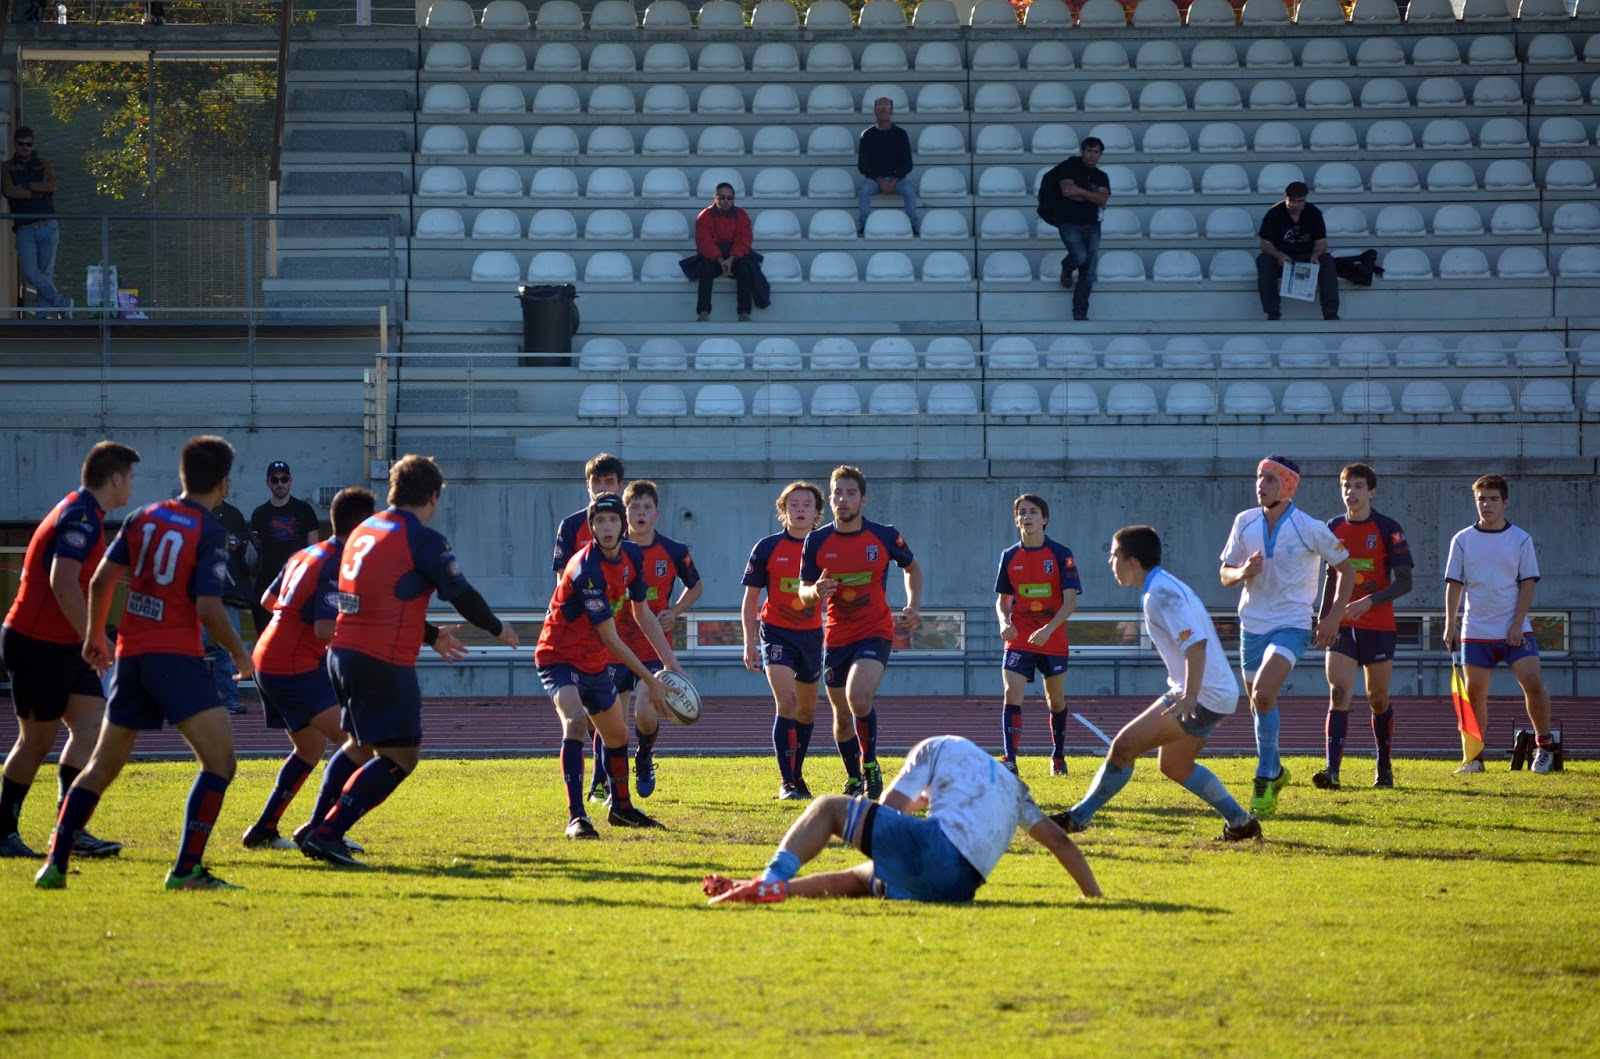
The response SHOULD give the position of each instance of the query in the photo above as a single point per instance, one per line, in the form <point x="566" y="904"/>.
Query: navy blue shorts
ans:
<point x="44" y="675"/>
<point x="1203" y="723"/>
<point x="1486" y="654"/>
<point x="914" y="860"/>
<point x="382" y="701"/>
<point x="597" y="691"/>
<point x="149" y="690"/>
<point x="291" y="702"/>
<point x="1027" y="663"/>
<point x="839" y="660"/>
<point x="625" y="679"/>
<point x="1366" y="646"/>
<point x="796" y="649"/>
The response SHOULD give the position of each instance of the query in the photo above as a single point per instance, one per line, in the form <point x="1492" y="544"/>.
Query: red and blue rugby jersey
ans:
<point x="775" y="566"/>
<point x="1376" y="547"/>
<point x="305" y="592"/>
<point x="175" y="552"/>
<point x="1036" y="580"/>
<point x="663" y="562"/>
<point x="74" y="529"/>
<point x="390" y="567"/>
<point x="589" y="592"/>
<point x="572" y="534"/>
<point x="859" y="561"/>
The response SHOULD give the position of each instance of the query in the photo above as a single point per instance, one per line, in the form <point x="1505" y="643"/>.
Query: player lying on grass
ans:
<point x="974" y="807"/>
<point x="1201" y="692"/>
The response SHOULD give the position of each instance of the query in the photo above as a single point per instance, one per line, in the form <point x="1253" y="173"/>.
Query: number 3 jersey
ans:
<point x="391" y="565"/>
<point x="175" y="552"/>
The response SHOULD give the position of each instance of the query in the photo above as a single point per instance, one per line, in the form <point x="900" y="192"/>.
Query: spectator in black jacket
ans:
<point x="1072" y="196"/>
<point x="884" y="159"/>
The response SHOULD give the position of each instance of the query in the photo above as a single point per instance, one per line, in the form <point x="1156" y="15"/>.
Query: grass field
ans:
<point x="1454" y="916"/>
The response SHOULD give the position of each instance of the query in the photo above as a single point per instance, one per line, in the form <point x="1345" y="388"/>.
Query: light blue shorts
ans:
<point x="913" y="860"/>
<point x="1254" y="646"/>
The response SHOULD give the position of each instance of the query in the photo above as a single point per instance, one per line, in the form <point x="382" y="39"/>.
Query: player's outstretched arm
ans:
<point x="1049" y="835"/>
<point x="471" y="606"/>
<point x="442" y="638"/>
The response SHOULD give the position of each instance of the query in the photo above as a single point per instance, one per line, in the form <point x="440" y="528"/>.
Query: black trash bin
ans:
<point x="549" y="320"/>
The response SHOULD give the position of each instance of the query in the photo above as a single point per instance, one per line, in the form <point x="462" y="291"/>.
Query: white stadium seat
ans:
<point x="1569" y="174"/>
<point x="661" y="267"/>
<point x="1120" y="266"/>
<point x="603" y="354"/>
<point x="884" y="224"/>
<point x="776" y="183"/>
<point x="1007" y="266"/>
<point x="720" y="57"/>
<point x="1455" y="219"/>
<point x="834" y="266"/>
<point x="831" y="224"/>
<point x="1129" y="351"/>
<point x="496" y="224"/>
<point x="890" y="266"/>
<point x="1190" y="399"/>
<point x="551" y="224"/>
<point x="440" y="224"/>
<point x="774" y="15"/>
<point x="775" y="57"/>
<point x="446" y="99"/>
<point x="1303" y="351"/>
<point x="953" y="398"/>
<point x="1306" y="398"/>
<point x="608" y="266"/>
<point x="1074" y="399"/>
<point x="1426" y="397"/>
<point x="1486" y="396"/>
<point x="1175" y="266"/>
<point x="949" y="352"/>
<point x="1480" y="351"/>
<point x="664" y="182"/>
<point x="1366" y="398"/>
<point x="554" y="140"/>
<point x="835" y="398"/>
<point x="1402" y="222"/>
<point x="441" y="180"/>
<point x="667" y="58"/>
<point x="450" y="14"/>
<point x="1245" y="351"/>
<point x="720" y="140"/>
<point x="614" y="140"/>
<point x="602" y="400"/>
<point x="1520" y="262"/>
<point x="719" y="354"/>
<point x="1233" y="266"/>
<point x="1452" y="175"/>
<point x="1579" y="262"/>
<point x="444" y="139"/>
<point x="610" y="182"/>
<point x="1231" y="222"/>
<point x="775" y="141"/>
<point x="1547" y="396"/>
<point x="720" y="99"/>
<point x="505" y="15"/>
<point x="552" y="266"/>
<point x="1014" y="398"/>
<point x="497" y="181"/>
<point x="719" y="399"/>
<point x="776" y="354"/>
<point x="1130" y="399"/>
<point x="495" y="266"/>
<point x="1541" y="350"/>
<point x="778" y="398"/>
<point x="775" y="99"/>
<point x="1248" y="399"/>
<point x="661" y="399"/>
<point x="447" y="56"/>
<point x="663" y="355"/>
<point x="883" y="57"/>
<point x="832" y="183"/>
<point x="608" y="224"/>
<point x="1220" y="136"/>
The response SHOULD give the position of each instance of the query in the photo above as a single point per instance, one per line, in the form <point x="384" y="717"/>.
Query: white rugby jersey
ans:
<point x="1284" y="594"/>
<point x="976" y="802"/>
<point x="1491" y="565"/>
<point x="1176" y="621"/>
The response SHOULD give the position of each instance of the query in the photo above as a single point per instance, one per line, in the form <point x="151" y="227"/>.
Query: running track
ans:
<point x="518" y="727"/>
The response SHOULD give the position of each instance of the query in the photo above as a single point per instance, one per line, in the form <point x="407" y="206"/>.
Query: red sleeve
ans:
<point x="705" y="238"/>
<point x="743" y="236"/>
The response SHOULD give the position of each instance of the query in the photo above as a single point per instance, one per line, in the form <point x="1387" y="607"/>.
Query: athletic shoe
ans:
<point x="644" y="774"/>
<point x="853" y="787"/>
<point x="1265" y="800"/>
<point x="715" y="885"/>
<point x="238" y="709"/>
<point x="1010" y="766"/>
<point x="1326" y="780"/>
<point x="599" y="791"/>
<point x="86" y="845"/>
<point x="805" y="792"/>
<point x="755" y="892"/>
<point x="874" y="777"/>
<point x="13" y="846"/>
<point x="1251" y="828"/>
<point x="1544" y="759"/>
<point x="1385" y="777"/>
<point x="50" y="877"/>
<point x="631" y="817"/>
<point x="259" y="837"/>
<point x="331" y="852"/>
<point x="300" y="833"/>
<point x="1469" y="767"/>
<point x="580" y="827"/>
<point x="790" y="793"/>
<point x="1058" y="766"/>
<point x="1068" y="824"/>
<point x="198" y="879"/>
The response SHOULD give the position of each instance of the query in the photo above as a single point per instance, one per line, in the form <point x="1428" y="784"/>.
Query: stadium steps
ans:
<point x="347" y="143"/>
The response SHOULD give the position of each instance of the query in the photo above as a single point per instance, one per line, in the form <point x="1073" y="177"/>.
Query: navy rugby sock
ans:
<point x="1337" y="728"/>
<point x="572" y="775"/>
<point x="199" y="814"/>
<point x="335" y="774"/>
<point x="867" y="734"/>
<point x="850" y="752"/>
<point x="1383" y="734"/>
<point x="1058" y="733"/>
<point x="1011" y="729"/>
<point x="75" y="814"/>
<point x="368" y="788"/>
<point x="784" y="740"/>
<point x="617" y="767"/>
<point x="65" y="774"/>
<point x="803" y="730"/>
<point x="290" y="779"/>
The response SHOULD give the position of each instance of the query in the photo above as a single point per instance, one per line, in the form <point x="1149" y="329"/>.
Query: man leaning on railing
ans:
<point x="29" y="186"/>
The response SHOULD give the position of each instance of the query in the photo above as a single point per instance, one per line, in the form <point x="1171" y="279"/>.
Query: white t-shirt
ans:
<point x="974" y="800"/>
<point x="1491" y="565"/>
<point x="1176" y="621"/>
<point x="1284" y="593"/>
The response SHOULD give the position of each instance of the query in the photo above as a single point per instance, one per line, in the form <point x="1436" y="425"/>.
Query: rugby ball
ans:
<point x="683" y="701"/>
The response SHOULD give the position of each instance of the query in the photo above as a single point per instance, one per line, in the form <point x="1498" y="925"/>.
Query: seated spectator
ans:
<point x="884" y="161"/>
<point x="723" y="237"/>
<point x="1293" y="231"/>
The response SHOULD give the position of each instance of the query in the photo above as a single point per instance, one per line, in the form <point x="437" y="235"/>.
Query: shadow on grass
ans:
<point x="1104" y="904"/>
<point x="1499" y="857"/>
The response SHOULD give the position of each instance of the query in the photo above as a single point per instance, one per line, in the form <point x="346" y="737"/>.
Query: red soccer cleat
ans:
<point x="755" y="892"/>
<point x="716" y="885"/>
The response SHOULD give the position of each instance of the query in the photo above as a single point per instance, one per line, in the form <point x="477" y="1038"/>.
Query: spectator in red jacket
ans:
<point x="722" y="237"/>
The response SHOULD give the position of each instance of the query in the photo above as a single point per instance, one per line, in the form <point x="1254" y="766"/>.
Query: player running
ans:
<point x="1381" y="561"/>
<point x="1037" y="589"/>
<point x="788" y="639"/>
<point x="1275" y="551"/>
<point x="576" y="647"/>
<point x="847" y="564"/>
<point x="175" y="555"/>
<point x="292" y="675"/>
<point x="665" y="562"/>
<point x="42" y="643"/>
<point x="1201" y="692"/>
<point x="391" y="565"/>
<point x="1493" y="569"/>
<point x="974" y="809"/>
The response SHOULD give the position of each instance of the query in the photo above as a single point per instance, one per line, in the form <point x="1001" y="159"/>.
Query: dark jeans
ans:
<point x="711" y="270"/>
<point x="1083" y="253"/>
<point x="1269" y="274"/>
